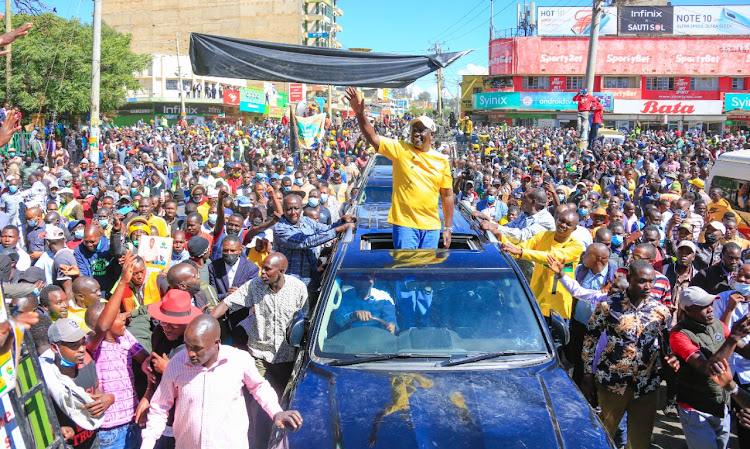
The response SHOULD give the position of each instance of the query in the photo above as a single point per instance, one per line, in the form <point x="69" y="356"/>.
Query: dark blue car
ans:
<point x="431" y="349"/>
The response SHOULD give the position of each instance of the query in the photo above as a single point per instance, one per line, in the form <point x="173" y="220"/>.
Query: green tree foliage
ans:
<point x="52" y="66"/>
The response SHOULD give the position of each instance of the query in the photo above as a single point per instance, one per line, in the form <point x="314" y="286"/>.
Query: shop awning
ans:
<point x="267" y="61"/>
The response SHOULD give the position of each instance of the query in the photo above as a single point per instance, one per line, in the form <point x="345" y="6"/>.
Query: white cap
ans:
<point x="695" y="296"/>
<point x="65" y="190"/>
<point x="426" y="121"/>
<point x="687" y="244"/>
<point x="719" y="226"/>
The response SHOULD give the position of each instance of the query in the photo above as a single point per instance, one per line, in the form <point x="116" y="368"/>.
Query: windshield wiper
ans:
<point x="487" y="355"/>
<point x="378" y="358"/>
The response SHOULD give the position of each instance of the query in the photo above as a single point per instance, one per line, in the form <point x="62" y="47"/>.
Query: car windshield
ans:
<point x="431" y="313"/>
<point x="376" y="194"/>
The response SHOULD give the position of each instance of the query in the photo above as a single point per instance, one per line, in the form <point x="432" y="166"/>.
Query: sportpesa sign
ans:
<point x="535" y="101"/>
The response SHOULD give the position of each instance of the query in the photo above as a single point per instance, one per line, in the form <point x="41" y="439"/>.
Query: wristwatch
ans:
<point x="449" y="229"/>
<point x="735" y="390"/>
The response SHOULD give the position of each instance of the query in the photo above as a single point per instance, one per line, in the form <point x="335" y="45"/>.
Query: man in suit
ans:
<point x="231" y="271"/>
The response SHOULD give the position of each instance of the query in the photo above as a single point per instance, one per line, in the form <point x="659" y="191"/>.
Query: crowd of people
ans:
<point x="624" y="240"/>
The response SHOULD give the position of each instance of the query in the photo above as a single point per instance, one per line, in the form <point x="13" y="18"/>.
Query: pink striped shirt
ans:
<point x="211" y="411"/>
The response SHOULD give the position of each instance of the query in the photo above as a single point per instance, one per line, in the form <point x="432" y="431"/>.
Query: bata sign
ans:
<point x="661" y="107"/>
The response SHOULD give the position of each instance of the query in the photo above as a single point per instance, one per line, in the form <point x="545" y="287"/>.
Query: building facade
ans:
<point x="659" y="66"/>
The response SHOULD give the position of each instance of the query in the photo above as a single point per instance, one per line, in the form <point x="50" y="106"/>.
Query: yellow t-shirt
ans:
<point x="256" y="257"/>
<point x="716" y="211"/>
<point x="203" y="210"/>
<point x="159" y="224"/>
<point x="418" y="177"/>
<point x="77" y="315"/>
<point x="542" y="281"/>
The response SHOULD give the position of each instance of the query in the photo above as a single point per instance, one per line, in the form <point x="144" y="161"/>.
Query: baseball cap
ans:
<point x="32" y="274"/>
<point x="687" y="244"/>
<point x="426" y="121"/>
<point x="719" y="226"/>
<point x="698" y="183"/>
<point x="244" y="201"/>
<point x="695" y="296"/>
<point x="65" y="330"/>
<point x="84" y="161"/>
<point x="65" y="190"/>
<point x="52" y="233"/>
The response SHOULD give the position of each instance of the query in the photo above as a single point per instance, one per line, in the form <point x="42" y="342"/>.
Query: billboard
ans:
<point x="296" y="92"/>
<point x="252" y="100"/>
<point x="645" y="19"/>
<point x="668" y="107"/>
<point x="501" y="56"/>
<point x="678" y="55"/>
<point x="712" y="20"/>
<point x="231" y="97"/>
<point x="535" y="101"/>
<point x="574" y="21"/>
<point x="737" y="101"/>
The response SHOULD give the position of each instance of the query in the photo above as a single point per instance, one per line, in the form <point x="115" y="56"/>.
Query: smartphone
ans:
<point x="125" y="210"/>
<point x="736" y="17"/>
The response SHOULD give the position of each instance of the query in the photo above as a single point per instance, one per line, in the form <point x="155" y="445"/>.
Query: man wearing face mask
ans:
<point x="96" y="258"/>
<point x="491" y="208"/>
<point x="313" y="201"/>
<point x="709" y="251"/>
<point x="730" y="307"/>
<point x="720" y="277"/>
<point x="34" y="229"/>
<point x="231" y="271"/>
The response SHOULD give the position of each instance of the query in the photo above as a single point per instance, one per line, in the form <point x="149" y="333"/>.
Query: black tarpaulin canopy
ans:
<point x="268" y="61"/>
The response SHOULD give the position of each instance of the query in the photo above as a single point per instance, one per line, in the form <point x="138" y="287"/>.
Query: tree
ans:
<point x="52" y="66"/>
<point x="424" y="96"/>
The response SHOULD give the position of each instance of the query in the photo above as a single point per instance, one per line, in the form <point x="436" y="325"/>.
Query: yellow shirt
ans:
<point x="418" y="177"/>
<point x="743" y="243"/>
<point x="716" y="211"/>
<point x="77" y="314"/>
<point x="256" y="257"/>
<point x="160" y="224"/>
<point x="542" y="281"/>
<point x="203" y="210"/>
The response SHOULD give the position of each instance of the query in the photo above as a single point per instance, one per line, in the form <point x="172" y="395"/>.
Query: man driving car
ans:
<point x="364" y="305"/>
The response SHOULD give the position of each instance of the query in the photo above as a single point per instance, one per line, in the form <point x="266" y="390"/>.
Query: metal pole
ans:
<point x="96" y="50"/>
<point x="8" y="69"/>
<point x="179" y="77"/>
<point x="330" y="31"/>
<point x="593" y="43"/>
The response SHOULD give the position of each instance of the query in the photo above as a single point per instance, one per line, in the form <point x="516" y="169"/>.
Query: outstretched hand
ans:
<point x="357" y="104"/>
<point x="554" y="264"/>
<point x="8" y="128"/>
<point x="12" y="35"/>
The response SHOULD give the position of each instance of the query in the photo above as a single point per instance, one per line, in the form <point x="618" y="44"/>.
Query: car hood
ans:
<point x="348" y="407"/>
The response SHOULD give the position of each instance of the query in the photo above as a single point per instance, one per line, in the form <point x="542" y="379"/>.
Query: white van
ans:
<point x="730" y="172"/>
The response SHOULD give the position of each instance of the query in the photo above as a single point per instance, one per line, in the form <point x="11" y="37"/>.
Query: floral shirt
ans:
<point x="634" y="335"/>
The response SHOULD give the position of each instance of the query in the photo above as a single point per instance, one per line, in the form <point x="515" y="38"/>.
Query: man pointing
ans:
<point x="420" y="175"/>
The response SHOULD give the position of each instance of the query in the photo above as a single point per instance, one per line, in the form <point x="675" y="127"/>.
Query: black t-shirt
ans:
<point x="85" y="378"/>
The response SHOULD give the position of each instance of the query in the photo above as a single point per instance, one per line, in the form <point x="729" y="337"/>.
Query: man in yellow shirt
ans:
<point x="145" y="210"/>
<point x="420" y="175"/>
<point x="719" y="206"/>
<point x="257" y="254"/>
<point x="86" y="291"/>
<point x="549" y="293"/>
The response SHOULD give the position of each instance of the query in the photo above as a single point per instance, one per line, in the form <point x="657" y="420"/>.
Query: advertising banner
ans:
<point x="535" y="101"/>
<point x="574" y="21"/>
<point x="231" y="97"/>
<point x="625" y="94"/>
<point x="557" y="83"/>
<point x="737" y="101"/>
<point x="190" y="109"/>
<point x="296" y="92"/>
<point x="310" y="129"/>
<point x="501" y="56"/>
<point x="252" y="100"/>
<point x="668" y="107"/>
<point x="629" y="56"/>
<point x="645" y="19"/>
<point x="559" y="101"/>
<point x="712" y="20"/>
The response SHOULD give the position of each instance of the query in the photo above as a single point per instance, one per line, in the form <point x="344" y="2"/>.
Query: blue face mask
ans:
<point x="104" y="223"/>
<point x="299" y="181"/>
<point x="490" y="199"/>
<point x="313" y="202"/>
<point x="323" y="197"/>
<point x="65" y="363"/>
<point x="583" y="212"/>
<point x="78" y="234"/>
<point x="13" y="189"/>
<point x="259" y="175"/>
<point x="36" y="291"/>
<point x="617" y="240"/>
<point x="289" y="169"/>
<point x="286" y="189"/>
<point x="133" y="190"/>
<point x="742" y="289"/>
<point x="32" y="223"/>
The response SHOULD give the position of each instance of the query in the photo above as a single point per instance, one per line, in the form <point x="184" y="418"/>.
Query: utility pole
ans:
<point x="179" y="76"/>
<point x="8" y="69"/>
<point x="330" y="97"/>
<point x="439" y="86"/>
<point x="593" y="44"/>
<point x="96" y="50"/>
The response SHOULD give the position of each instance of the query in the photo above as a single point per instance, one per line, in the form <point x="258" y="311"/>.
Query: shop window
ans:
<point x="620" y="82"/>
<point x="574" y="83"/>
<point x="536" y="82"/>
<point x="172" y="85"/>
<point x="704" y="83"/>
<point x="738" y="83"/>
<point x="659" y="83"/>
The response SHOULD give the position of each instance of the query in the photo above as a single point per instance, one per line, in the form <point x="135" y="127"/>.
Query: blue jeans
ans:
<point x="703" y="430"/>
<point x="410" y="238"/>
<point x="126" y="436"/>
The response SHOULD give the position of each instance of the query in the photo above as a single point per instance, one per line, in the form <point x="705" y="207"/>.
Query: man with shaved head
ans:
<point x="34" y="229"/>
<point x="86" y="291"/>
<point x="205" y="381"/>
<point x="297" y="236"/>
<point x="146" y="210"/>
<point x="97" y="259"/>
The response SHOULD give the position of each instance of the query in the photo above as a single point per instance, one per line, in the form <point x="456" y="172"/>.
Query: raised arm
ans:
<point x="112" y="309"/>
<point x="358" y="106"/>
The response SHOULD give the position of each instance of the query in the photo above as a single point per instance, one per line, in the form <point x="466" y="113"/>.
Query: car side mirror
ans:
<point x="295" y="331"/>
<point x="558" y="329"/>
